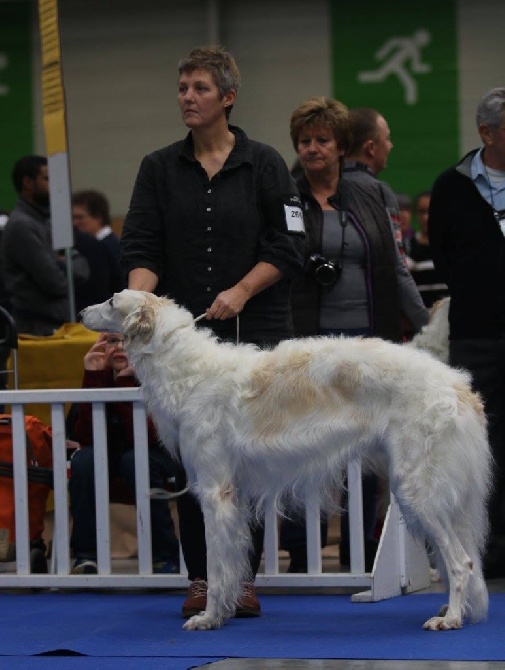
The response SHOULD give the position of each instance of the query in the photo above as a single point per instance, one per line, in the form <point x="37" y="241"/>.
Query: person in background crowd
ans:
<point x="430" y="286"/>
<point x="5" y="302"/>
<point x="91" y="214"/>
<point x="106" y="366"/>
<point x="215" y="222"/>
<point x="98" y="287"/>
<point x="35" y="274"/>
<point x="355" y="281"/>
<point x="466" y="228"/>
<point x="405" y="209"/>
<point x="367" y="156"/>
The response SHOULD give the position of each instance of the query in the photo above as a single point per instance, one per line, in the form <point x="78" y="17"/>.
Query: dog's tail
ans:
<point x="434" y="337"/>
<point x="476" y="602"/>
<point x="453" y="515"/>
<point x="471" y="519"/>
<point x="480" y="489"/>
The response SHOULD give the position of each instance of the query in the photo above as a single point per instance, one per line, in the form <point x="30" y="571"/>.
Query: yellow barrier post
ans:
<point x="53" y="102"/>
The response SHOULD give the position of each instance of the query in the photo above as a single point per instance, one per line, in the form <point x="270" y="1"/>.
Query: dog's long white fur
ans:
<point x="254" y="424"/>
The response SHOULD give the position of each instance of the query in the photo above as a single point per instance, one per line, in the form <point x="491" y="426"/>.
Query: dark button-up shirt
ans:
<point x="202" y="236"/>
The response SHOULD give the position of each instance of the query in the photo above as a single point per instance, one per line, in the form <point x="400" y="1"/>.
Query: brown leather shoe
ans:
<point x="248" y="604"/>
<point x="196" y="601"/>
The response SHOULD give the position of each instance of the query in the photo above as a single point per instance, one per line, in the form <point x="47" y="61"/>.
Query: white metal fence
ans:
<point x="401" y="565"/>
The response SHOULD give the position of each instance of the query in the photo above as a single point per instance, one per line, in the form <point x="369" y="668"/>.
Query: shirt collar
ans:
<point x="477" y="167"/>
<point x="357" y="166"/>
<point x="241" y="152"/>
<point x="103" y="232"/>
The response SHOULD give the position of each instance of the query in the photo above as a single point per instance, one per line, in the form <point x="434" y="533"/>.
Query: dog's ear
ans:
<point x="139" y="324"/>
<point x="127" y="300"/>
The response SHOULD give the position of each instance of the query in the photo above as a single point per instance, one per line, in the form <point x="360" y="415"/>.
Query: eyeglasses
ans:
<point x="113" y="342"/>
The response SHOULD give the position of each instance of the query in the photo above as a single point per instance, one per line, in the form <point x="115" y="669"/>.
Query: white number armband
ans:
<point x="294" y="219"/>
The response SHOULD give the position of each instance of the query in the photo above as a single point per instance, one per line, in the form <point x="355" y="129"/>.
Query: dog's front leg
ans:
<point x="228" y="541"/>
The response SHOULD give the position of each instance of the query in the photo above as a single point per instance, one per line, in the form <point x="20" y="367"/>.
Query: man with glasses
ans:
<point x="106" y="365"/>
<point x="466" y="228"/>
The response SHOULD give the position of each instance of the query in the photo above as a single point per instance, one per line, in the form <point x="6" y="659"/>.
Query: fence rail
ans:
<point x="401" y="564"/>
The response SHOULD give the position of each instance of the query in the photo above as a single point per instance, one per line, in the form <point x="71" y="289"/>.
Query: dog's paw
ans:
<point x="202" y="621"/>
<point x="443" y="623"/>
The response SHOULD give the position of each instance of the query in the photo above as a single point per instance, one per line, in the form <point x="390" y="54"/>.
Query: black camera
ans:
<point x="324" y="271"/>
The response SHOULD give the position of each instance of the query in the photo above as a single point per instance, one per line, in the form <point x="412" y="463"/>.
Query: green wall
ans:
<point x="407" y="43"/>
<point x="16" y="105"/>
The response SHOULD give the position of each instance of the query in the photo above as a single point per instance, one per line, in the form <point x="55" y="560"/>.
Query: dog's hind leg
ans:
<point x="458" y="566"/>
<point x="477" y="598"/>
<point x="228" y="540"/>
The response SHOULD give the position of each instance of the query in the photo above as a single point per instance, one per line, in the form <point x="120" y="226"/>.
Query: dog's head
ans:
<point x="135" y="314"/>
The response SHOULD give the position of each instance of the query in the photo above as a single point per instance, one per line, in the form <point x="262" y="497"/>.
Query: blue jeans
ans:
<point x="165" y="545"/>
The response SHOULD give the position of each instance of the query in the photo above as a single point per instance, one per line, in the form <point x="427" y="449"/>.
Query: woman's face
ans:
<point x="200" y="101"/>
<point x="318" y="150"/>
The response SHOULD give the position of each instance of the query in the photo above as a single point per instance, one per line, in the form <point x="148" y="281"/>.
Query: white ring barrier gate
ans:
<point x="401" y="564"/>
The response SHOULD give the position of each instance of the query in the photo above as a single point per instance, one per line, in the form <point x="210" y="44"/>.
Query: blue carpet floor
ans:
<point x="98" y="663"/>
<point x="126" y="627"/>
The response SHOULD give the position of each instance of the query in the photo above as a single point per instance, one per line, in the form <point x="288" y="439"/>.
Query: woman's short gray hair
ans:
<point x="218" y="62"/>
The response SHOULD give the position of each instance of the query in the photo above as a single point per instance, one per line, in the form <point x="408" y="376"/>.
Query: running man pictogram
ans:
<point x="400" y="50"/>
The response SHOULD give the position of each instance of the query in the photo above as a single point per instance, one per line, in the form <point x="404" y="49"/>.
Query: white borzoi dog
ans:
<point x="254" y="424"/>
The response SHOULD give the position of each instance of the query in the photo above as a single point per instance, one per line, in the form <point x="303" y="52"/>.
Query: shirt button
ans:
<point x="209" y="191"/>
<point x="209" y="228"/>
<point x="209" y="249"/>
<point x="208" y="288"/>
<point x="209" y="269"/>
<point x="209" y="209"/>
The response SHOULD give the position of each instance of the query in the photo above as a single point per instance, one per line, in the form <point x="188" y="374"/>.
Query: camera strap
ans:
<point x="337" y="202"/>
<point x="343" y="220"/>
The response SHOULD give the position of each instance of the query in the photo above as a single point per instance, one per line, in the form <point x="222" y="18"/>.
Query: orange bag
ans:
<point x="40" y="460"/>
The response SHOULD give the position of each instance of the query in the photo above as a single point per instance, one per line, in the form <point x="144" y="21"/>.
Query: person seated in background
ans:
<point x="422" y="268"/>
<point x="106" y="365"/>
<point x="91" y="215"/>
